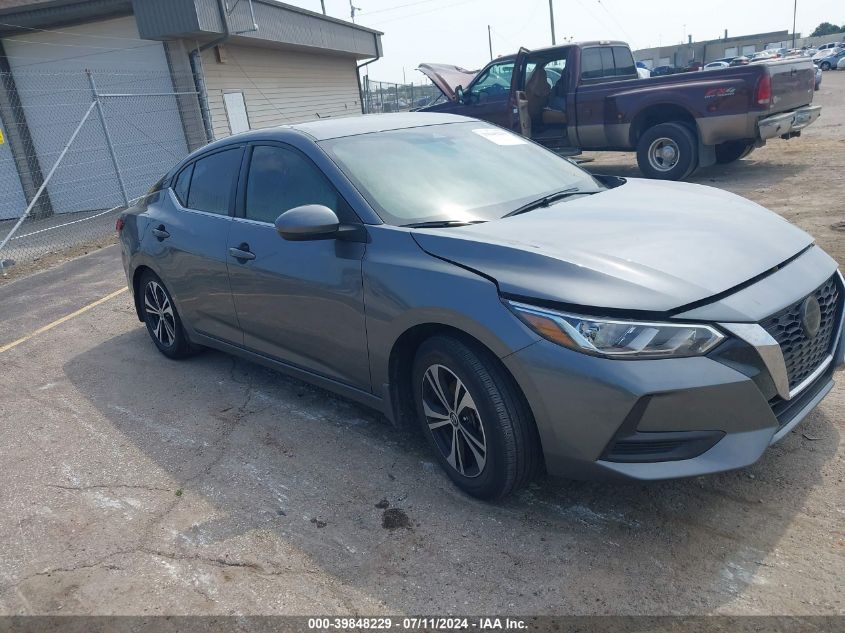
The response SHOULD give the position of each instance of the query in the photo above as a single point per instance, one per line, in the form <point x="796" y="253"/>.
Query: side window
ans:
<point x="591" y="63"/>
<point x="608" y="69"/>
<point x="495" y="81"/>
<point x="211" y="184"/>
<point x="182" y="183"/>
<point x="624" y="61"/>
<point x="280" y="179"/>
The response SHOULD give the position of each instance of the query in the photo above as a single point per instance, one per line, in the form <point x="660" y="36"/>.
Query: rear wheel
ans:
<point x="667" y="151"/>
<point x="479" y="427"/>
<point x="730" y="151"/>
<point x="161" y="318"/>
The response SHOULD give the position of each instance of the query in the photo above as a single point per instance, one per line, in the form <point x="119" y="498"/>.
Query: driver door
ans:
<point x="488" y="97"/>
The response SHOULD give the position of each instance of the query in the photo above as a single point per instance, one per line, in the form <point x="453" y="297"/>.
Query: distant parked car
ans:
<point x="823" y="53"/>
<point x="829" y="45"/>
<point x="742" y="60"/>
<point x="763" y="55"/>
<point x="716" y="65"/>
<point x="694" y="66"/>
<point x="663" y="70"/>
<point x="827" y="63"/>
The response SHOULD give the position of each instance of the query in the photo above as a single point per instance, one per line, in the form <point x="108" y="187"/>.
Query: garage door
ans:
<point x="147" y="133"/>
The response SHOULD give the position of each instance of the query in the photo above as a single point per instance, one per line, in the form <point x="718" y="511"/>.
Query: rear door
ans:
<point x="187" y="239"/>
<point x="299" y="302"/>
<point x="599" y="66"/>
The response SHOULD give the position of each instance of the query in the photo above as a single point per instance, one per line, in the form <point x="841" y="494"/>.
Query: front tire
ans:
<point x="477" y="423"/>
<point x="731" y="151"/>
<point x="161" y="318"/>
<point x="667" y="151"/>
<point x="825" y="66"/>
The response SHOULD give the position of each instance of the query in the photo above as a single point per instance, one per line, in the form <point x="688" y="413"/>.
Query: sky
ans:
<point x="455" y="31"/>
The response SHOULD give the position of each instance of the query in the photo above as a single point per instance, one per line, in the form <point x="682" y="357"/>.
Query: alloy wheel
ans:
<point x="663" y="154"/>
<point x="454" y="421"/>
<point x="159" y="313"/>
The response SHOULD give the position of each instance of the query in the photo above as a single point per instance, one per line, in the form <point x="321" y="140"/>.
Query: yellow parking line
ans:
<point x="57" y="322"/>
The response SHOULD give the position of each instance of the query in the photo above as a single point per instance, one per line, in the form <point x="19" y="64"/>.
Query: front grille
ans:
<point x="801" y="353"/>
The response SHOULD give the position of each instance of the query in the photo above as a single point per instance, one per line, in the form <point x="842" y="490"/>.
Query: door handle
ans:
<point x="242" y="252"/>
<point x="160" y="233"/>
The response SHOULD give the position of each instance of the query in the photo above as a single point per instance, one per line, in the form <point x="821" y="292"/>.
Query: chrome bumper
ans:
<point x="787" y="122"/>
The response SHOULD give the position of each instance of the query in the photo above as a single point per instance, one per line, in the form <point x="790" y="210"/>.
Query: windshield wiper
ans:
<point x="547" y="200"/>
<point x="437" y="224"/>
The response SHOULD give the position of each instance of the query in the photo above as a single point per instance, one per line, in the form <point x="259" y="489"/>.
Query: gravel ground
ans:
<point x="137" y="485"/>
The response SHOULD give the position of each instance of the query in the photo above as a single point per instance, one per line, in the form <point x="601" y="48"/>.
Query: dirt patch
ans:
<point x="394" y="519"/>
<point x="52" y="260"/>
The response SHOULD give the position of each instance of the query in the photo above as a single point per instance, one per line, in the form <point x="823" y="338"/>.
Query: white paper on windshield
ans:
<point x="500" y="137"/>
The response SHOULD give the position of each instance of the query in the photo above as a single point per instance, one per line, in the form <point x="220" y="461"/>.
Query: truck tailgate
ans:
<point x="792" y="83"/>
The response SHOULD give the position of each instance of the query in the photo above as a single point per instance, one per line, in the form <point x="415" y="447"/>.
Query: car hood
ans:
<point x="448" y="77"/>
<point x="646" y="245"/>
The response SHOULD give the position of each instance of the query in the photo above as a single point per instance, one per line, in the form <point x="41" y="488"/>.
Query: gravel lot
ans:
<point x="137" y="485"/>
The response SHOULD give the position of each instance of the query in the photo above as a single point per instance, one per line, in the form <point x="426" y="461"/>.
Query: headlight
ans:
<point x="618" y="338"/>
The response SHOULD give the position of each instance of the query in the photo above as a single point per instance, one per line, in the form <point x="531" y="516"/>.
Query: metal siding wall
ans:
<point x="171" y="17"/>
<point x="164" y="19"/>
<point x="291" y="27"/>
<point x="54" y="91"/>
<point x="280" y="87"/>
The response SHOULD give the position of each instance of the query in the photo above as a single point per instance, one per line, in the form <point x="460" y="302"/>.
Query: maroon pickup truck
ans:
<point x="588" y="96"/>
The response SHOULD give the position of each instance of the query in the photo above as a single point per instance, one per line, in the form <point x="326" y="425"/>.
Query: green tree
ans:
<point x="826" y="28"/>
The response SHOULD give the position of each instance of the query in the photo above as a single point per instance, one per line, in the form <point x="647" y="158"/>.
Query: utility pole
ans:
<point x="490" y="42"/>
<point x="552" y="20"/>
<point x="794" y="13"/>
<point x="352" y="10"/>
<point x="323" y="4"/>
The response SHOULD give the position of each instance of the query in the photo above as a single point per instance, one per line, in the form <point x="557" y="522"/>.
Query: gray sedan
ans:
<point x="525" y="315"/>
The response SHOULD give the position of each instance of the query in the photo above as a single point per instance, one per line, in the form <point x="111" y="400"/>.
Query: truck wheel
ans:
<point x="730" y="151"/>
<point x="668" y="151"/>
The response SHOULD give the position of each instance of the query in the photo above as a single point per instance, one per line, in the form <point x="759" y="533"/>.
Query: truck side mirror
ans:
<point x="459" y="94"/>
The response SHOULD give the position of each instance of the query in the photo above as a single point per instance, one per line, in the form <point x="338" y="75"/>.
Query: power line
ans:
<point x="411" y="15"/>
<point x="613" y="17"/>
<point x="71" y="33"/>
<point x="401" y="6"/>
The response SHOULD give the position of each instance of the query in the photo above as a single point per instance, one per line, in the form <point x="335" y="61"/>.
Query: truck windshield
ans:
<point x="456" y="172"/>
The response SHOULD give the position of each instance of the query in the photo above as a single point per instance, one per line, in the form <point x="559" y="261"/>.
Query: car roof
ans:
<point x="353" y="126"/>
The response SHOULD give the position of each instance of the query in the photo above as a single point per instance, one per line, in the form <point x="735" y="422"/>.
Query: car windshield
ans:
<point x="458" y="172"/>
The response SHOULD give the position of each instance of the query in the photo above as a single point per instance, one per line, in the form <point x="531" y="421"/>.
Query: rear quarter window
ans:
<point x="623" y="61"/>
<point x="182" y="184"/>
<point x="591" y="67"/>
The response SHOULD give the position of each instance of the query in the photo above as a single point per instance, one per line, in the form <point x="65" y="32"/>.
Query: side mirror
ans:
<point x="459" y="94"/>
<point x="308" y="222"/>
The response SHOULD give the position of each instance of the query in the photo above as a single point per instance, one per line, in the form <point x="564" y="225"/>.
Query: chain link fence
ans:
<point x="78" y="147"/>
<point x="383" y="96"/>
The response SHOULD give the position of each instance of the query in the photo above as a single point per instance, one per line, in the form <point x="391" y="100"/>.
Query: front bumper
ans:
<point x="787" y="123"/>
<point x="660" y="419"/>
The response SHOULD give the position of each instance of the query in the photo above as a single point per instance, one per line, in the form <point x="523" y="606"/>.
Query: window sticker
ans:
<point x="500" y="137"/>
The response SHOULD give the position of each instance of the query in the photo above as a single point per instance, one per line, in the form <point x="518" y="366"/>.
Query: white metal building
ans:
<point x="195" y="69"/>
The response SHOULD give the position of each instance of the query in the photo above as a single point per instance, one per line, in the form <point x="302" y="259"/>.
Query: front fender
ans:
<point x="404" y="287"/>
